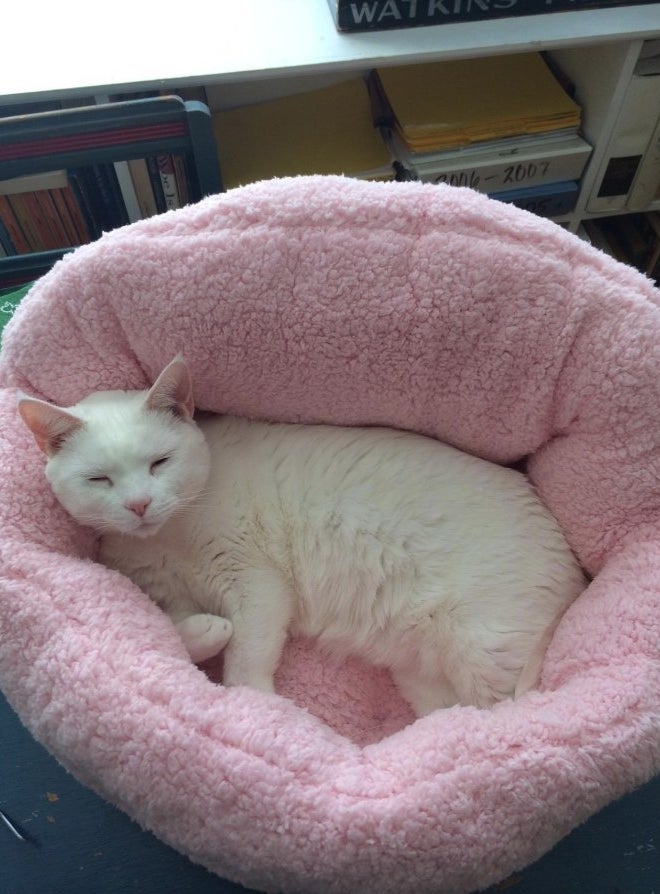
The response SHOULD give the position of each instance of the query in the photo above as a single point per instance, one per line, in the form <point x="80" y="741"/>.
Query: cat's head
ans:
<point x="124" y="461"/>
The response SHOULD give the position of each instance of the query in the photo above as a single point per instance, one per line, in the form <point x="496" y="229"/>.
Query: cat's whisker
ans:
<point x="190" y="504"/>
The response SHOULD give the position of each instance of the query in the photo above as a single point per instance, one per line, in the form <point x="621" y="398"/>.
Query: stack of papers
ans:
<point x="497" y="125"/>
<point x="452" y="105"/>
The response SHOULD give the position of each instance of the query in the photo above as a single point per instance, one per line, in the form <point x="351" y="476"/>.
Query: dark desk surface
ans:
<point x="81" y="845"/>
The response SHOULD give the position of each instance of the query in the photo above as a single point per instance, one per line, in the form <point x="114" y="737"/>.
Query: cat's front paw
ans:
<point x="204" y="635"/>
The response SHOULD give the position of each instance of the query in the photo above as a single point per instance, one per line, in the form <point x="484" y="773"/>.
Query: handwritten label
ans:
<point x="460" y="178"/>
<point x="525" y="171"/>
<point x="493" y="177"/>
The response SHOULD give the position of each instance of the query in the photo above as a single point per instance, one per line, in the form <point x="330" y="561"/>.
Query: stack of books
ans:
<point x="503" y="125"/>
<point x="324" y="131"/>
<point x="67" y="208"/>
<point x="40" y="212"/>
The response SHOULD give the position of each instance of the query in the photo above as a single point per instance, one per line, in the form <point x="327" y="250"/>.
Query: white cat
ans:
<point x="445" y="568"/>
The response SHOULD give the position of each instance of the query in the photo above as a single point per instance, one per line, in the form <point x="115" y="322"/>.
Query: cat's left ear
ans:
<point x="172" y="390"/>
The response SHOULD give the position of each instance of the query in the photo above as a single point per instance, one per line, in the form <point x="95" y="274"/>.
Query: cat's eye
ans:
<point x="99" y="479"/>
<point x="157" y="463"/>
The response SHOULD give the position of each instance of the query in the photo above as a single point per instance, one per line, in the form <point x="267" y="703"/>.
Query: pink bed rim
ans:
<point x="326" y="299"/>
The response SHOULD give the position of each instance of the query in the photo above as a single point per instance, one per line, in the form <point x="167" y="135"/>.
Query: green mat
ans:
<point x="9" y="301"/>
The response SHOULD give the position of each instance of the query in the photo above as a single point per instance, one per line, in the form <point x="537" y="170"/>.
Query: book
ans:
<point x="63" y="210"/>
<point x="43" y="207"/>
<point x="33" y="182"/>
<point x="142" y="185"/>
<point x="181" y="173"/>
<point x="99" y="196"/>
<point x="168" y="181"/>
<point x="76" y="215"/>
<point x="111" y="208"/>
<point x="6" y="244"/>
<point x="375" y="15"/>
<point x="546" y="199"/>
<point x="54" y="232"/>
<point x="14" y="230"/>
<point x="530" y="164"/>
<point x="449" y="105"/>
<point x="631" y="137"/>
<point x="127" y="189"/>
<point x="156" y="184"/>
<point x="326" y="131"/>
<point x="29" y="219"/>
<point x="83" y="197"/>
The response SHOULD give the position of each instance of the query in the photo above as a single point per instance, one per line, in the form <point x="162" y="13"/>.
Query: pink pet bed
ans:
<point x="326" y="299"/>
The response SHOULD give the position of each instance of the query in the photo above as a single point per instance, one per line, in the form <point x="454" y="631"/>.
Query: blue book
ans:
<point x="546" y="199"/>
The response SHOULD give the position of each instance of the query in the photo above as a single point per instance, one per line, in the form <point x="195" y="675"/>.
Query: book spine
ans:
<point x="87" y="201"/>
<point x="76" y="214"/>
<point x="64" y="215"/>
<point x="142" y="186"/>
<point x="28" y="218"/>
<point x="129" y="197"/>
<point x="55" y="236"/>
<point x="547" y="200"/>
<point x="168" y="180"/>
<point x="6" y="243"/>
<point x="181" y="179"/>
<point x="377" y="15"/>
<point x="489" y="176"/>
<point x="16" y="234"/>
<point x="156" y="184"/>
<point x="112" y="209"/>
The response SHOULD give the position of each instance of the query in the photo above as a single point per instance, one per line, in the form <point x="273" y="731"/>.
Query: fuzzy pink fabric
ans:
<point x="326" y="299"/>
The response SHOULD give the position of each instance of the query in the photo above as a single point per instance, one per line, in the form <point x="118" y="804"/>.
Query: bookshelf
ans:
<point x="261" y="49"/>
<point x="91" y="144"/>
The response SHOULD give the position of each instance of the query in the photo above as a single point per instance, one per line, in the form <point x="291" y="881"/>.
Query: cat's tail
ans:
<point x="530" y="676"/>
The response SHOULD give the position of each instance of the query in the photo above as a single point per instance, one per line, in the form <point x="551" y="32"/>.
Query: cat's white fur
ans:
<point x="443" y="567"/>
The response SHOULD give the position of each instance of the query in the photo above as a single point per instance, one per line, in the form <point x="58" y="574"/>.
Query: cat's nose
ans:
<point x="139" y="507"/>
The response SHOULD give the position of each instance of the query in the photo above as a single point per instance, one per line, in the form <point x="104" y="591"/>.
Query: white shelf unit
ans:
<point x="248" y="51"/>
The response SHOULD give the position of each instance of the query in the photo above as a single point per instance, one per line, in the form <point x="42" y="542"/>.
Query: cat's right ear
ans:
<point x="49" y="424"/>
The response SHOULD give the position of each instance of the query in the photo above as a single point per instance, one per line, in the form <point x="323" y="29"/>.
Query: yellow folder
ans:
<point x="445" y="105"/>
<point x="327" y="131"/>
